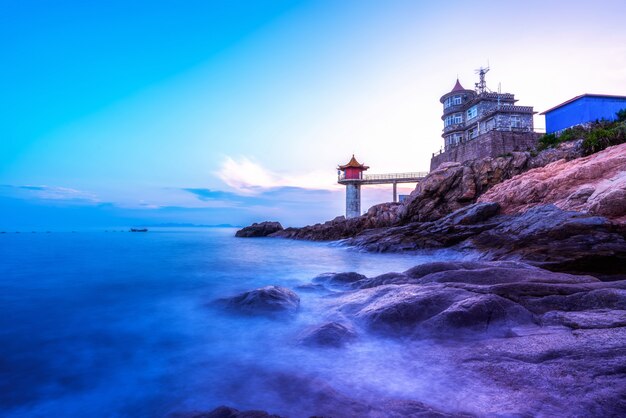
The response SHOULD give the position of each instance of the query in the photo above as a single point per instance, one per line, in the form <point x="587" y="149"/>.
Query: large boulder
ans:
<point x="595" y="184"/>
<point x="262" y="229"/>
<point x="269" y="300"/>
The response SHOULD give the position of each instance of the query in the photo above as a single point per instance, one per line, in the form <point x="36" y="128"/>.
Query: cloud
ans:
<point x="211" y="195"/>
<point x="268" y="197"/>
<point x="249" y="177"/>
<point x="44" y="192"/>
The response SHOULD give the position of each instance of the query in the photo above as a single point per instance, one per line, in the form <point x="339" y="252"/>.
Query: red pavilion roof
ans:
<point x="353" y="163"/>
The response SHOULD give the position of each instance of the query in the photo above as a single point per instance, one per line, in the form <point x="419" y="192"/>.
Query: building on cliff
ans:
<point x="581" y="110"/>
<point x="480" y="123"/>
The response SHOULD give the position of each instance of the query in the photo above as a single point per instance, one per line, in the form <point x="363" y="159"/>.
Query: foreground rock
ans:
<point x="257" y="230"/>
<point x="478" y="339"/>
<point x="269" y="300"/>
<point x="595" y="184"/>
<point x="465" y="299"/>
<point x="534" y="342"/>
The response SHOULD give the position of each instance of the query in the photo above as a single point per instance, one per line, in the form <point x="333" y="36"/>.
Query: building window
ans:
<point x="454" y="119"/>
<point x="472" y="112"/>
<point x="452" y="101"/>
<point x="516" y="121"/>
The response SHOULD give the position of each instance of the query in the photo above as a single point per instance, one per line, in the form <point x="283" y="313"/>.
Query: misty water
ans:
<point x="98" y="323"/>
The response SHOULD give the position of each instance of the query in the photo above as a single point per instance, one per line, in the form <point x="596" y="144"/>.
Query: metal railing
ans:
<point x="390" y="177"/>
<point x="396" y="176"/>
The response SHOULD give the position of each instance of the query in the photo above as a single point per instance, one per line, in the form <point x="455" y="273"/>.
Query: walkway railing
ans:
<point x="396" y="176"/>
<point x="417" y="175"/>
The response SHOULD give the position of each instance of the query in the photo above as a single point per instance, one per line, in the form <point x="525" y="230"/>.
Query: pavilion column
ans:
<point x="353" y="200"/>
<point x="395" y="191"/>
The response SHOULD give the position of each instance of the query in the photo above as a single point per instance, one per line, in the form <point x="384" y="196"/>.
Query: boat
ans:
<point x="138" y="229"/>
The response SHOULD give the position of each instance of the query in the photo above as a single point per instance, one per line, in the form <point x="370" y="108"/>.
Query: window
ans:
<point x="516" y="121"/>
<point x="452" y="101"/>
<point x="472" y="112"/>
<point x="454" y="119"/>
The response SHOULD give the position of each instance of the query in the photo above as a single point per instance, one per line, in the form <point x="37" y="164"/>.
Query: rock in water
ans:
<point x="262" y="229"/>
<point x="269" y="300"/>
<point x="339" y="279"/>
<point x="226" y="412"/>
<point x="331" y="334"/>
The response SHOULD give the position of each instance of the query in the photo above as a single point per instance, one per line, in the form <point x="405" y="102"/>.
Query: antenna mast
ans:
<point x="481" y="86"/>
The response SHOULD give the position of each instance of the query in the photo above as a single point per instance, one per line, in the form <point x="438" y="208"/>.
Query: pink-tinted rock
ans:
<point x="595" y="184"/>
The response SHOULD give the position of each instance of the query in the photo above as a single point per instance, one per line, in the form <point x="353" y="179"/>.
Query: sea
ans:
<point x="108" y="323"/>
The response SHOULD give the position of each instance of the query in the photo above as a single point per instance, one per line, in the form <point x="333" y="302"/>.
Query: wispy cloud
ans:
<point x="44" y="192"/>
<point x="249" y="177"/>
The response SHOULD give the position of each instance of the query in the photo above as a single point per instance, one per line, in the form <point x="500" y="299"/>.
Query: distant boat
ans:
<point x="138" y="229"/>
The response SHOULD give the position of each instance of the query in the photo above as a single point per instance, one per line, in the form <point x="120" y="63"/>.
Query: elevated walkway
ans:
<point x="392" y="178"/>
<point x="353" y="186"/>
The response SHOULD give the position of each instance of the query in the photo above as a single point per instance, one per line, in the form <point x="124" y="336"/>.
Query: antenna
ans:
<point x="481" y="86"/>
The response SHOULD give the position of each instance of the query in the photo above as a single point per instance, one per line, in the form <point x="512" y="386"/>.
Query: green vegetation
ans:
<point x="596" y="136"/>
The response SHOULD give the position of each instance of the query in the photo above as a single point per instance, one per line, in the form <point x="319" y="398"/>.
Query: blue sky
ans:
<point x="233" y="112"/>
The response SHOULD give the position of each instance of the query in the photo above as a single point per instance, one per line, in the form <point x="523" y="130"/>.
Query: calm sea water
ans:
<point x="118" y="324"/>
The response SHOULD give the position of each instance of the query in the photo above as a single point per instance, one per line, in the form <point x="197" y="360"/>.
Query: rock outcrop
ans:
<point x="451" y="187"/>
<point x="256" y="230"/>
<point x="455" y="185"/>
<point x="378" y="216"/>
<point x="595" y="184"/>
<point x="269" y="300"/>
<point x="544" y="236"/>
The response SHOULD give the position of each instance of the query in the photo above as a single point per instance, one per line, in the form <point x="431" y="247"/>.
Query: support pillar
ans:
<point x="395" y="192"/>
<point x="353" y="200"/>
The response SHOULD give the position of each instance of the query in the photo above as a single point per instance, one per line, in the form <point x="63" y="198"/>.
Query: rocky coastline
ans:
<point x="539" y="316"/>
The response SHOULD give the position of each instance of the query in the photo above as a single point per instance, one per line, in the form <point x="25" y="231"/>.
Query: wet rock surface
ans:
<point x="226" y="412"/>
<point x="544" y="236"/>
<point x="269" y="300"/>
<point x="551" y="343"/>
<point x="331" y="334"/>
<point x="257" y="230"/>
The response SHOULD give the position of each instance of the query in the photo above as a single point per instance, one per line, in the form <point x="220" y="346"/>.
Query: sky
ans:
<point x="125" y="113"/>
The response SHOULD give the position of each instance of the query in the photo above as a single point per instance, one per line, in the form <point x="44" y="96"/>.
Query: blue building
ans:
<point x="583" y="109"/>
